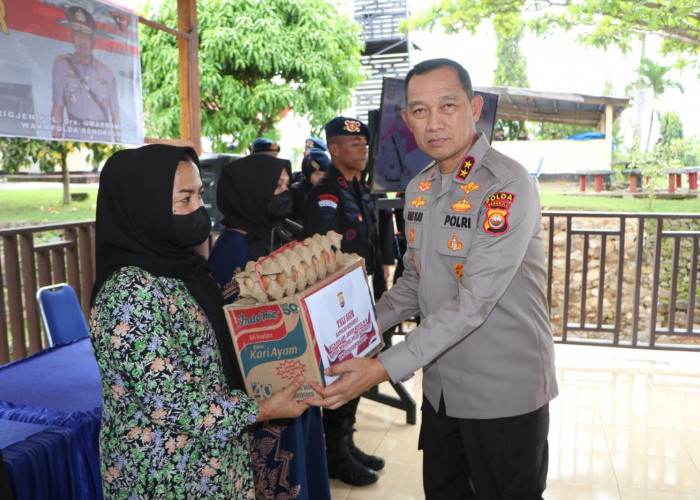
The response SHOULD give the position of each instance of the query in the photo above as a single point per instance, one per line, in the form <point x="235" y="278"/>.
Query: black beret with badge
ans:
<point x="346" y="126"/>
<point x="263" y="145"/>
<point x="316" y="160"/>
<point x="316" y="142"/>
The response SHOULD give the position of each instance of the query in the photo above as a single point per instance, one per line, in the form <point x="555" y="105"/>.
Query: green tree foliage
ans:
<point x="19" y="153"/>
<point x="606" y="22"/>
<point x="511" y="69"/>
<point x="550" y="130"/>
<point x="257" y="59"/>
<point x="654" y="163"/>
<point x="671" y="126"/>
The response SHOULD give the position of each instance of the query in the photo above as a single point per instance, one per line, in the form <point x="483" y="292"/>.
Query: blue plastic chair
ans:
<point x="61" y="314"/>
<point x="536" y="174"/>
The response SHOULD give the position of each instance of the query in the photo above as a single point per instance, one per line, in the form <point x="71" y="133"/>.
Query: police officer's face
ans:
<point x="187" y="189"/>
<point x="350" y="152"/>
<point x="83" y="43"/>
<point x="439" y="114"/>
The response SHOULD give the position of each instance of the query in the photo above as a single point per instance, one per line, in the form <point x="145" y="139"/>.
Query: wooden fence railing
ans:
<point x="613" y="279"/>
<point x="36" y="256"/>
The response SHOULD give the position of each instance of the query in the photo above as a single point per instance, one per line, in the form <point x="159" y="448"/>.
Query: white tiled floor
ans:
<point x="626" y="425"/>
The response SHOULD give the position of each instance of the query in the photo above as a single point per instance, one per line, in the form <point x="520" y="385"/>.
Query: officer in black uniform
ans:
<point x="341" y="202"/>
<point x="313" y="167"/>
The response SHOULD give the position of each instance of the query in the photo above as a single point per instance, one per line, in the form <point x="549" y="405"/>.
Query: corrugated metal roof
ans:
<point x="576" y="109"/>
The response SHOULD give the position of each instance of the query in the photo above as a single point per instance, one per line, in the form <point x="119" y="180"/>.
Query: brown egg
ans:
<point x="324" y="259"/>
<point x="302" y="268"/>
<point x="281" y="278"/>
<point x="265" y="281"/>
<point x="314" y="264"/>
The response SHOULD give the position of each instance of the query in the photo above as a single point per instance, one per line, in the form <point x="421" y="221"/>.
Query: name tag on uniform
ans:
<point x="414" y="216"/>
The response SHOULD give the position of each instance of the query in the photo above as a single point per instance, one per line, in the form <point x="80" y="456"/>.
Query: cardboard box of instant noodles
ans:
<point x="330" y="321"/>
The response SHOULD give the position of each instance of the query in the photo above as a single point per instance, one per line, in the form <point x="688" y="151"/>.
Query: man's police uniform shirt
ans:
<point x="71" y="92"/>
<point x="474" y="269"/>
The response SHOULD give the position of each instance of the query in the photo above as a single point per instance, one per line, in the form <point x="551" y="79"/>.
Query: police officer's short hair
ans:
<point x="433" y="64"/>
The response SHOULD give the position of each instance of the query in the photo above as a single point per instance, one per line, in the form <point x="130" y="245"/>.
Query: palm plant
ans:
<point x="653" y="76"/>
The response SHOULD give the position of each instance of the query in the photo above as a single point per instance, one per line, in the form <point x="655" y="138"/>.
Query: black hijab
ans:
<point x="244" y="189"/>
<point x="135" y="227"/>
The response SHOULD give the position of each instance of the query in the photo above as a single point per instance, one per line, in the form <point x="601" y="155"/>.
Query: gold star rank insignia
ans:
<point x="465" y="168"/>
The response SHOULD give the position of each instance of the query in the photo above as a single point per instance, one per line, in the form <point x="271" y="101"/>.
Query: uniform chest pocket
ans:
<point x="455" y="234"/>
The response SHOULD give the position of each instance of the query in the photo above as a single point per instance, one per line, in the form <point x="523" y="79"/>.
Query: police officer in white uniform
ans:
<point x="84" y="88"/>
<point x="475" y="272"/>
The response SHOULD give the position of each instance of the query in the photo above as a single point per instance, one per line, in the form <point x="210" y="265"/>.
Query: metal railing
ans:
<point x="613" y="279"/>
<point x="624" y="279"/>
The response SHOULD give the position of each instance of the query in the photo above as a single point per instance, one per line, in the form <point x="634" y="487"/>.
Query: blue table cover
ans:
<point x="59" y="387"/>
<point x="43" y="462"/>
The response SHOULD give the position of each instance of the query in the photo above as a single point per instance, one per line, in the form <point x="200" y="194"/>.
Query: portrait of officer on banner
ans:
<point x="85" y="101"/>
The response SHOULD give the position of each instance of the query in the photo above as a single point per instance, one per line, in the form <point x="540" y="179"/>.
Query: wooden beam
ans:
<point x="190" y="117"/>
<point x="163" y="27"/>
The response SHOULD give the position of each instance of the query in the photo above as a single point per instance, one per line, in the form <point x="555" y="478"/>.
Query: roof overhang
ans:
<point x="518" y="104"/>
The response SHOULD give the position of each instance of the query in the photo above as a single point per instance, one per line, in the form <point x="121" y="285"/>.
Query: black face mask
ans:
<point x="280" y="205"/>
<point x="192" y="229"/>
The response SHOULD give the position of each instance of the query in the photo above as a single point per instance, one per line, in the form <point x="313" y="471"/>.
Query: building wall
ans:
<point x="558" y="157"/>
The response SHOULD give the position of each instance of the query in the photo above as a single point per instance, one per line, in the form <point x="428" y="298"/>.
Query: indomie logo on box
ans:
<point x="255" y="317"/>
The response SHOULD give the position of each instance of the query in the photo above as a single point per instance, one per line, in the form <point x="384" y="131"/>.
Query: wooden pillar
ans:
<point x="608" y="132"/>
<point x="190" y="116"/>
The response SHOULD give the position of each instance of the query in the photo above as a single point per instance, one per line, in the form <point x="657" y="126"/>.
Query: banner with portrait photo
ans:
<point x="71" y="71"/>
<point x="398" y="157"/>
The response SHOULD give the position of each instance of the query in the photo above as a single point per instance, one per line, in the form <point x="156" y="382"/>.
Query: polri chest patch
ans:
<point x="457" y="221"/>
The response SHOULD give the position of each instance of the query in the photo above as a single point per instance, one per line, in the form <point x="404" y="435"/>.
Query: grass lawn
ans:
<point x="30" y="207"/>
<point x="551" y="199"/>
<point x="20" y="207"/>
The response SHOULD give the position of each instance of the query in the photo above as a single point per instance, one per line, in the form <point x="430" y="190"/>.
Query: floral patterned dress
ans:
<point x="170" y="426"/>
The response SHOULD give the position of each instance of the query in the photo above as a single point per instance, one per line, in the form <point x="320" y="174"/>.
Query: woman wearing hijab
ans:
<point x="175" y="417"/>
<point x="253" y="196"/>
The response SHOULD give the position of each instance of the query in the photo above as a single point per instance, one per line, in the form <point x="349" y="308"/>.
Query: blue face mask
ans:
<point x="192" y="229"/>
